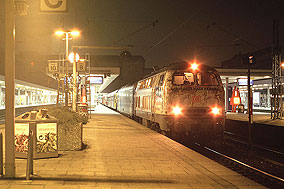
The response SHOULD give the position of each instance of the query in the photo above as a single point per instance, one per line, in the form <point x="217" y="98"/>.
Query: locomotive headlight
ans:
<point x="177" y="110"/>
<point x="216" y="111"/>
<point x="194" y="66"/>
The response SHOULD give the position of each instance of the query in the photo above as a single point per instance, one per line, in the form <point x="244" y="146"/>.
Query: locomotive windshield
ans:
<point x="183" y="78"/>
<point x="200" y="78"/>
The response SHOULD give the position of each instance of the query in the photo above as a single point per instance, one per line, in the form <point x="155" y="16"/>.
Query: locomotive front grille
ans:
<point x="197" y="111"/>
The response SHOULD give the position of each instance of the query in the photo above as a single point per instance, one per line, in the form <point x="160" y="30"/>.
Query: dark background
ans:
<point x="210" y="31"/>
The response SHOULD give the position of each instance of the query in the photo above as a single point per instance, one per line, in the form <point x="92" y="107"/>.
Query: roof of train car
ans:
<point x="180" y="66"/>
<point x="172" y="66"/>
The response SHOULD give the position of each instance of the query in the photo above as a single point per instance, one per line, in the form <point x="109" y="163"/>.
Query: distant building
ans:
<point x="262" y="57"/>
<point x="261" y="72"/>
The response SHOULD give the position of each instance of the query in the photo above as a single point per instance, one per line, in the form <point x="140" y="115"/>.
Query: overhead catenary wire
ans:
<point x="144" y="27"/>
<point x="176" y="29"/>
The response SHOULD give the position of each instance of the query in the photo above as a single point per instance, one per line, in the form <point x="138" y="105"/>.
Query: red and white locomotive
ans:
<point x="181" y="99"/>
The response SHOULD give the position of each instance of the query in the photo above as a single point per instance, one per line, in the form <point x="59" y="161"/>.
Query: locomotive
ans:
<point x="179" y="100"/>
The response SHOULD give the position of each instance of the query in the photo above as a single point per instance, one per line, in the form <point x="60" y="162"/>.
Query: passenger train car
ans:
<point x="178" y="100"/>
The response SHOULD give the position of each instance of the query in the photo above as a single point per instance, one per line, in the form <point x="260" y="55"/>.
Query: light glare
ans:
<point x="75" y="33"/>
<point x="194" y="66"/>
<point x="177" y="110"/>
<point x="237" y="100"/>
<point x="215" y="111"/>
<point x="71" y="57"/>
<point x="59" y="33"/>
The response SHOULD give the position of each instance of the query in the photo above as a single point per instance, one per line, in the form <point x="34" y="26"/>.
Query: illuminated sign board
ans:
<point x="244" y="82"/>
<point x="53" y="6"/>
<point x="96" y="79"/>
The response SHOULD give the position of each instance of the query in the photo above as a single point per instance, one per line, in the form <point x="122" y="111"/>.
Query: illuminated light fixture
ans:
<point x="71" y="57"/>
<point x="216" y="111"/>
<point x="59" y="32"/>
<point x="75" y="33"/>
<point x="194" y="66"/>
<point x="84" y="100"/>
<point x="282" y="64"/>
<point x="237" y="100"/>
<point x="177" y="110"/>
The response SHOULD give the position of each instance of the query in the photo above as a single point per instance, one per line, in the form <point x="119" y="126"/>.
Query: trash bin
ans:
<point x="45" y="132"/>
<point x="241" y="108"/>
<point x="83" y="109"/>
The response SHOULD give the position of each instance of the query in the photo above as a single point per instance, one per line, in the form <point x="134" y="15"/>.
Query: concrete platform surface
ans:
<point x="121" y="153"/>
<point x="263" y="118"/>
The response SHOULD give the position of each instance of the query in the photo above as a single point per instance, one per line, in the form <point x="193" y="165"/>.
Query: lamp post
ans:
<point x="67" y="38"/>
<point x="74" y="58"/>
<point x="10" y="171"/>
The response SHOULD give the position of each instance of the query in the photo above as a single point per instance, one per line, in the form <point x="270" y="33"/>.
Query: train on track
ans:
<point x="179" y="100"/>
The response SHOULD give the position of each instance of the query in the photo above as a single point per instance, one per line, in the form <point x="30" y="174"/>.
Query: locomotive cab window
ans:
<point x="206" y="78"/>
<point x="183" y="78"/>
<point x="161" y="81"/>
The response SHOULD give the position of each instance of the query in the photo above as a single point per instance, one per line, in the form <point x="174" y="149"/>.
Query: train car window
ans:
<point x="161" y="81"/>
<point x="150" y="83"/>
<point x="183" y="78"/>
<point x="189" y="77"/>
<point x="153" y="81"/>
<point x="144" y="84"/>
<point x="178" y="80"/>
<point x="206" y="78"/>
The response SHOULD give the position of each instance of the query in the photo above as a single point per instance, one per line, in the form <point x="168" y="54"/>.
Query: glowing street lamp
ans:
<point x="67" y="33"/>
<point x="72" y="58"/>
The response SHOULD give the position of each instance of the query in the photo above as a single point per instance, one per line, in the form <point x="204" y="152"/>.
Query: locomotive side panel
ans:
<point x="143" y="99"/>
<point x="178" y="100"/>
<point x="149" y="97"/>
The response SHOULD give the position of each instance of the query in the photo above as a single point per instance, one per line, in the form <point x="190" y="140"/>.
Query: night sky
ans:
<point x="207" y="30"/>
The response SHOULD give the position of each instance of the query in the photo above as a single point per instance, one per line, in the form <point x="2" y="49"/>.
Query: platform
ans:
<point x="262" y="118"/>
<point x="120" y="153"/>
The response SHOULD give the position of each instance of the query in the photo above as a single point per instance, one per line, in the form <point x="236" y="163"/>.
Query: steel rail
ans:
<point x="244" y="142"/>
<point x="246" y="165"/>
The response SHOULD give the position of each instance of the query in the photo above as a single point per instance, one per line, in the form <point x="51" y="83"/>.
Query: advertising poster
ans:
<point x="21" y="137"/>
<point x="46" y="137"/>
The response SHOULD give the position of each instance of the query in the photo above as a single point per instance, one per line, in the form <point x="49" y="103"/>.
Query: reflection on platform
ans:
<point x="101" y="109"/>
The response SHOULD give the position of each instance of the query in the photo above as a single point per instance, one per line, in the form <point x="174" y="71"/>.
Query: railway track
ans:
<point x="264" y="152"/>
<point x="251" y="172"/>
<point x="254" y="167"/>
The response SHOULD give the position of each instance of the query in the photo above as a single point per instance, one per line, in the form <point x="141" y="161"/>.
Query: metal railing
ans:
<point x="29" y="170"/>
<point x="1" y="154"/>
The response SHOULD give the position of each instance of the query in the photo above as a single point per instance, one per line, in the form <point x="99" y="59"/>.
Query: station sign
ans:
<point x="81" y="66"/>
<point x="53" y="6"/>
<point x="53" y="67"/>
<point x="96" y="79"/>
<point x="244" y="82"/>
